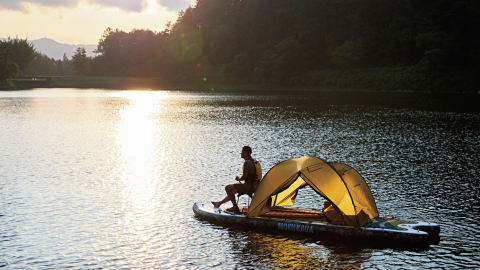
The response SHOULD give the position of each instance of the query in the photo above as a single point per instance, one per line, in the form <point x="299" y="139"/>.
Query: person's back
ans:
<point x="250" y="169"/>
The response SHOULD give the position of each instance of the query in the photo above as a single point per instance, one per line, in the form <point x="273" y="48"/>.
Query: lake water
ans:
<point x="99" y="179"/>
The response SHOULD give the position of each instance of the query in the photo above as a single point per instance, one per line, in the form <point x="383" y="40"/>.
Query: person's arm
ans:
<point x="245" y="173"/>
<point x="244" y="176"/>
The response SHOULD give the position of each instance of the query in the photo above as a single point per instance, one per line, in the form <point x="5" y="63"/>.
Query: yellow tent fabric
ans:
<point x="338" y="183"/>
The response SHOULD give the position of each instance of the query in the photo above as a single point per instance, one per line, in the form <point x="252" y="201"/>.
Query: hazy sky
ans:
<point x="83" y="21"/>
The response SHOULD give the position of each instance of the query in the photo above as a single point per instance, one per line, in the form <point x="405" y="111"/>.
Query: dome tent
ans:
<point x="339" y="183"/>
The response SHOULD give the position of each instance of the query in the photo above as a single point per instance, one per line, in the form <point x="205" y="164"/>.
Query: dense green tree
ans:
<point x="80" y="64"/>
<point x="23" y="51"/>
<point x="127" y="54"/>
<point x="19" y="57"/>
<point x="350" y="54"/>
<point x="165" y="64"/>
<point x="8" y="67"/>
<point x="42" y="65"/>
<point x="66" y="66"/>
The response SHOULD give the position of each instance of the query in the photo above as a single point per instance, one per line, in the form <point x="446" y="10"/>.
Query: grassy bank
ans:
<point x="107" y="82"/>
<point x="372" y="79"/>
<point x="393" y="79"/>
<point x="136" y="83"/>
<point x="89" y="82"/>
<point x="139" y="83"/>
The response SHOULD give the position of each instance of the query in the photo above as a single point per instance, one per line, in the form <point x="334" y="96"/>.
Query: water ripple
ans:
<point x="107" y="179"/>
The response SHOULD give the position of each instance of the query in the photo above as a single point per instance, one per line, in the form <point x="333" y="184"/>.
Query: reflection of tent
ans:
<point x="340" y="184"/>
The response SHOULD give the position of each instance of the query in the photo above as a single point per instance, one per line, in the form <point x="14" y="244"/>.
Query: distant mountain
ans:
<point x="55" y="50"/>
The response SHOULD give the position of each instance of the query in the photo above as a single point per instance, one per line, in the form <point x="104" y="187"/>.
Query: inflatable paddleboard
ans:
<point x="416" y="232"/>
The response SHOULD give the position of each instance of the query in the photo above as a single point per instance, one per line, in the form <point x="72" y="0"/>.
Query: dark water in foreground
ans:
<point x="107" y="179"/>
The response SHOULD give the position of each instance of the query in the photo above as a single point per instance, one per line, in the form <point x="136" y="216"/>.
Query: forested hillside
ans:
<point x="373" y="44"/>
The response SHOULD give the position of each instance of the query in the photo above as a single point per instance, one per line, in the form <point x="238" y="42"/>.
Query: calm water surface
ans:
<point x="99" y="179"/>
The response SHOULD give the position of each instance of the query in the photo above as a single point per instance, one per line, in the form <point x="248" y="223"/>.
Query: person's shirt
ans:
<point x="249" y="168"/>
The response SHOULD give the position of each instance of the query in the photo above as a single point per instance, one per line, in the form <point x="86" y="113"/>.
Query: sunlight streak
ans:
<point x="141" y="150"/>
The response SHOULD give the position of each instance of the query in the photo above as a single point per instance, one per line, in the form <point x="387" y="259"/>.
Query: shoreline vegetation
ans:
<point x="410" y="79"/>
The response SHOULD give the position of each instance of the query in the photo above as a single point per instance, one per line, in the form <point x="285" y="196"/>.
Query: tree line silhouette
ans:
<point x="284" y="42"/>
<point x="16" y="56"/>
<point x="384" y="44"/>
<point x="42" y="65"/>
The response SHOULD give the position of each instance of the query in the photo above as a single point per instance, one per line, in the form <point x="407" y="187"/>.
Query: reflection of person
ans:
<point x="249" y="175"/>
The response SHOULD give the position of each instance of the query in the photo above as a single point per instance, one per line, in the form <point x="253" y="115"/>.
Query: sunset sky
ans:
<point x="83" y="21"/>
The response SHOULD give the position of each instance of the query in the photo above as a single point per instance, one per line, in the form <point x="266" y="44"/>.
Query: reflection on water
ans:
<point x="107" y="179"/>
<point x="140" y="149"/>
<point x="284" y="251"/>
<point x="252" y="249"/>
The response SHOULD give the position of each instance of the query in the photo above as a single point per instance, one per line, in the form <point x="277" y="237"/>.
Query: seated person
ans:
<point x="249" y="175"/>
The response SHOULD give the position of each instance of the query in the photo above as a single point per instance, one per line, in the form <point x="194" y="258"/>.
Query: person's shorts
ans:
<point x="247" y="187"/>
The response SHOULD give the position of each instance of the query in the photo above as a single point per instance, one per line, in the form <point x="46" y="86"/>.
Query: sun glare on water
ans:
<point x="139" y="138"/>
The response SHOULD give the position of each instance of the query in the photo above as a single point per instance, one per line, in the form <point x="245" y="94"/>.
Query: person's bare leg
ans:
<point x="227" y="198"/>
<point x="219" y="203"/>
<point x="230" y="189"/>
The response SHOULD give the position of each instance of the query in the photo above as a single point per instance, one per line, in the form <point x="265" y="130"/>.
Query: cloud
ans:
<point x="126" y="5"/>
<point x="175" y="5"/>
